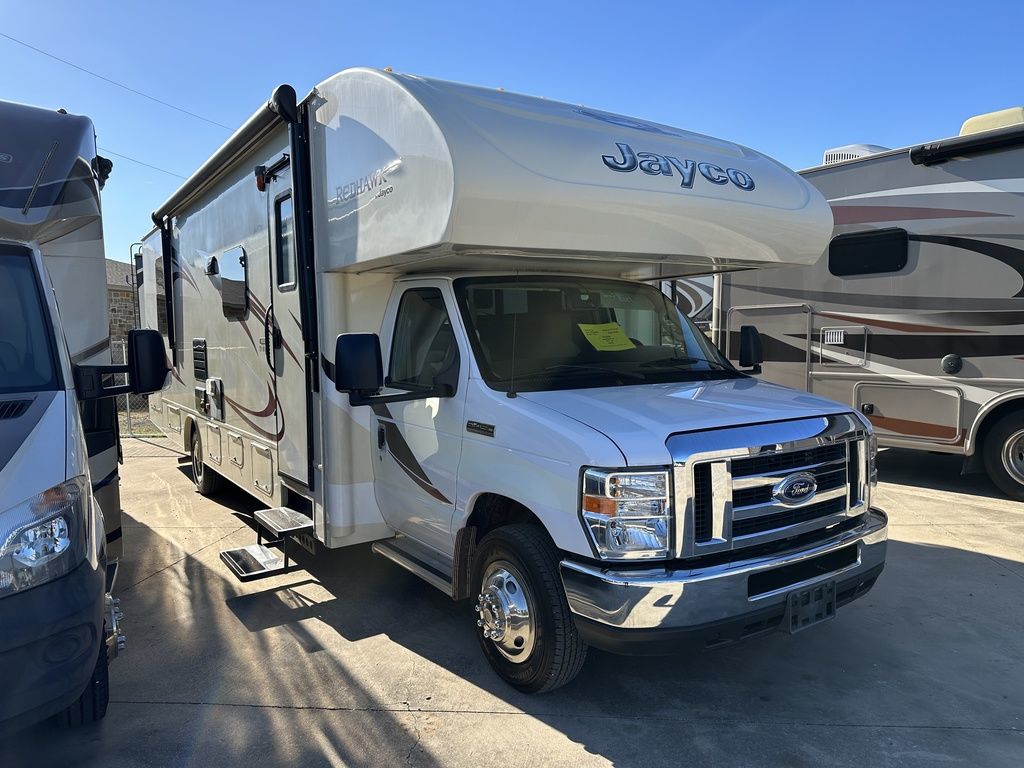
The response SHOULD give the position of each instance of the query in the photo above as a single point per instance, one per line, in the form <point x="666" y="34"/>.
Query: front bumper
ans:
<point x="651" y="610"/>
<point x="50" y="638"/>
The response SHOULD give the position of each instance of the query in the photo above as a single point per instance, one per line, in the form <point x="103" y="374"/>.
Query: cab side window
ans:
<point x="424" y="352"/>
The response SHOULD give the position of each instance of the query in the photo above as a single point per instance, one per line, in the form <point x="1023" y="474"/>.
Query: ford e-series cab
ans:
<point x="426" y="315"/>
<point x="59" y="506"/>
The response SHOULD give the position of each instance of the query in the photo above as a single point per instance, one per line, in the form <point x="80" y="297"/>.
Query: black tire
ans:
<point x="558" y="651"/>
<point x="207" y="481"/>
<point x="91" y="706"/>
<point x="1006" y="436"/>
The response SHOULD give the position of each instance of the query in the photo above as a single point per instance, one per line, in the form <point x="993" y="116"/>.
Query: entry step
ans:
<point x="282" y="521"/>
<point x="253" y="562"/>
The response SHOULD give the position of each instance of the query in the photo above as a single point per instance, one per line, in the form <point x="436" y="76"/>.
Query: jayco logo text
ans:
<point x="661" y="165"/>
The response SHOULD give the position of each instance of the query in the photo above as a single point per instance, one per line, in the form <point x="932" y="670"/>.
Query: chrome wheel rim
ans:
<point x="505" y="612"/>
<point x="1013" y="456"/>
<point x="197" y="462"/>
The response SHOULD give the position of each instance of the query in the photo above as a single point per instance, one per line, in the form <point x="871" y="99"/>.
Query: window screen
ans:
<point x="285" y="243"/>
<point x="234" y="281"/>
<point x="424" y="345"/>
<point x="868" y="253"/>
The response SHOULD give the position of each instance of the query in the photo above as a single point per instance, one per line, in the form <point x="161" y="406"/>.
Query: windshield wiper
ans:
<point x="672" y="361"/>
<point x="599" y="368"/>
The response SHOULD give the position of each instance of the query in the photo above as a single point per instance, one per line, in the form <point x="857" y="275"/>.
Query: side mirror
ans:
<point x="146" y="370"/>
<point x="751" y="355"/>
<point x="358" y="369"/>
<point x="147" y="362"/>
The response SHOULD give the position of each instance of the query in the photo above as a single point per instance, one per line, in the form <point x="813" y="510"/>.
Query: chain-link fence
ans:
<point x="132" y="410"/>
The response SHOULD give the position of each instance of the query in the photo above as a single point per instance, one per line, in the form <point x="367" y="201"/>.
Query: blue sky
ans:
<point x="786" y="78"/>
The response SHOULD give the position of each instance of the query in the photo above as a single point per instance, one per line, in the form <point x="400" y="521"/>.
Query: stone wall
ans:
<point x="121" y="310"/>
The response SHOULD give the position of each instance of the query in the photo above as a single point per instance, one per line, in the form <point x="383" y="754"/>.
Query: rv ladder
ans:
<point x="258" y="561"/>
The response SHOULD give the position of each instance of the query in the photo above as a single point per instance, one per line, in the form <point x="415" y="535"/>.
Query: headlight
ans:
<point x="43" y="538"/>
<point x="627" y="514"/>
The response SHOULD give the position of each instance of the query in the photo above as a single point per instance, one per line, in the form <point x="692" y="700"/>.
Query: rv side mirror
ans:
<point x="147" y="362"/>
<point x="357" y="366"/>
<point x="751" y="355"/>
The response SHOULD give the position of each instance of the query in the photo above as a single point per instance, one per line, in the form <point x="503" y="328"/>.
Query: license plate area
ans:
<point x="807" y="607"/>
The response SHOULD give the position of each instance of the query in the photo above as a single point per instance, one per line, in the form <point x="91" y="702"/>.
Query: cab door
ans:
<point x="283" y="327"/>
<point x="419" y="441"/>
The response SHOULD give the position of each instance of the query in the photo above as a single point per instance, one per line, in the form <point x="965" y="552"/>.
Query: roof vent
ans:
<point x="992" y="120"/>
<point x="850" y="152"/>
<point x="12" y="409"/>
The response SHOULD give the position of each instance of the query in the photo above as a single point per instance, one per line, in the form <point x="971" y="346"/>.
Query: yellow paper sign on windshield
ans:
<point x="606" y="337"/>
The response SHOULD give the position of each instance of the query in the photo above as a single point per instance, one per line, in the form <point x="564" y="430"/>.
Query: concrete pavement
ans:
<point x="353" y="661"/>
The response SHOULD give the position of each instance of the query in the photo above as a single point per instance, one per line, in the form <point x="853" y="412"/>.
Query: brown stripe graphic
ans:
<point x="863" y="214"/>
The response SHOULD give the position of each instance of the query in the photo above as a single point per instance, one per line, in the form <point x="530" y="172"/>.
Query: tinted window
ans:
<point x="868" y="253"/>
<point x="424" y="345"/>
<point x="26" y="343"/>
<point x="285" y="243"/>
<point x="234" y="279"/>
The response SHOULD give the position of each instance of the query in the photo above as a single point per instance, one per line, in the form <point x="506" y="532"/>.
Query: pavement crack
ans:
<point x="186" y="556"/>
<point x="391" y="709"/>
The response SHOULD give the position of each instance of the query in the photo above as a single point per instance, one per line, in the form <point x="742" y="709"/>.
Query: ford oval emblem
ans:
<point x="795" y="489"/>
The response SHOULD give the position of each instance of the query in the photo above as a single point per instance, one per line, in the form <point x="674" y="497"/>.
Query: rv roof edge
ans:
<point x="989" y="141"/>
<point x="280" y="108"/>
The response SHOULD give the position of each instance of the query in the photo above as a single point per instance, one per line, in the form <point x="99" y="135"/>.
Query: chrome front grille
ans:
<point x="728" y="481"/>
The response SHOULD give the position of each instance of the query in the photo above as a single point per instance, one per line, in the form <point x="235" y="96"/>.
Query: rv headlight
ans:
<point x="628" y="515"/>
<point x="43" y="538"/>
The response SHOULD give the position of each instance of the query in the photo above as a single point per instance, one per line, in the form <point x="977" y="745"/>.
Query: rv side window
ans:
<point x="234" y="282"/>
<point x="424" y="343"/>
<point x="285" y="243"/>
<point x="868" y="253"/>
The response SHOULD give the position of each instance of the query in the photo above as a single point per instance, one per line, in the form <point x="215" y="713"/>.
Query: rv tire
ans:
<point x="91" y="706"/>
<point x="1003" y="454"/>
<point x="521" y="558"/>
<point x="207" y="481"/>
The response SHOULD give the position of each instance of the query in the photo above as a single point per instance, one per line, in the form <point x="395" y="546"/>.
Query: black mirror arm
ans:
<point x="89" y="381"/>
<point x="362" y="398"/>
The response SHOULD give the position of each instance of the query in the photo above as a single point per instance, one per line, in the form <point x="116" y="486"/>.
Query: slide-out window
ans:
<point x="868" y="253"/>
<point x="233" y="267"/>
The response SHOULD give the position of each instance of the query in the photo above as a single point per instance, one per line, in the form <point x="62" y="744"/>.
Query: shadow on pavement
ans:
<point x="924" y="668"/>
<point x="933" y="471"/>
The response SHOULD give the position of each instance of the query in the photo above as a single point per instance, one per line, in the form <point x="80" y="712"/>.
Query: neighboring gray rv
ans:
<point x="60" y="511"/>
<point x="420" y="314"/>
<point x="915" y="314"/>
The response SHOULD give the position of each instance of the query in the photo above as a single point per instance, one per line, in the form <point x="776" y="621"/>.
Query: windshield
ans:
<point x="542" y="333"/>
<point x="26" y="351"/>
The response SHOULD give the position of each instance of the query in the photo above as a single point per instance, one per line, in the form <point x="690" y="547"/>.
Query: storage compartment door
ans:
<point x="909" y="412"/>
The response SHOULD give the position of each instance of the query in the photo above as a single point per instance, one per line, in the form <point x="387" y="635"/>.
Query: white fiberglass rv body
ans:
<point x="60" y="513"/>
<point x="915" y="315"/>
<point x="414" y="312"/>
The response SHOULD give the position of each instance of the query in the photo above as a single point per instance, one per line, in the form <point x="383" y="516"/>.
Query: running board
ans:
<point x="258" y="561"/>
<point x="416" y="558"/>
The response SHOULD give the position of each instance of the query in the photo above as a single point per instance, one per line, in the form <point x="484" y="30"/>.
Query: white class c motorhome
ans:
<point x="915" y="314"/>
<point x="413" y="312"/>
<point x="60" y="510"/>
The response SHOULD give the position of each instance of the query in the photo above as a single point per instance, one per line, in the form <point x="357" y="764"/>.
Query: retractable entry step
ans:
<point x="258" y="561"/>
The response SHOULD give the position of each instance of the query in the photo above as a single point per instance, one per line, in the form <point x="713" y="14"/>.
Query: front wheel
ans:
<point x="526" y="629"/>
<point x="1003" y="452"/>
<point x="91" y="706"/>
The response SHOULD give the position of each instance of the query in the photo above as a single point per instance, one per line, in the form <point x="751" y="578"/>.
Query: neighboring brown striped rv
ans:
<point x="915" y="313"/>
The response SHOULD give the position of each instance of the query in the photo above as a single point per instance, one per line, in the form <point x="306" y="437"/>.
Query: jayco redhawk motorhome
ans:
<point x="915" y="315"/>
<point x="412" y="312"/>
<point x="60" y="511"/>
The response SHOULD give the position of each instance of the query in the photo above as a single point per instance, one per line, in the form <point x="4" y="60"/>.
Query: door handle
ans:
<point x="381" y="437"/>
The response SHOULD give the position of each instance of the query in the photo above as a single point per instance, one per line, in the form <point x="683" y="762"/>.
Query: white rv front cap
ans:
<point x="415" y="173"/>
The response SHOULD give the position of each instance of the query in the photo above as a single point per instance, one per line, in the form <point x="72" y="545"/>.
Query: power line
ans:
<point x="133" y="160"/>
<point x="114" y="82"/>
